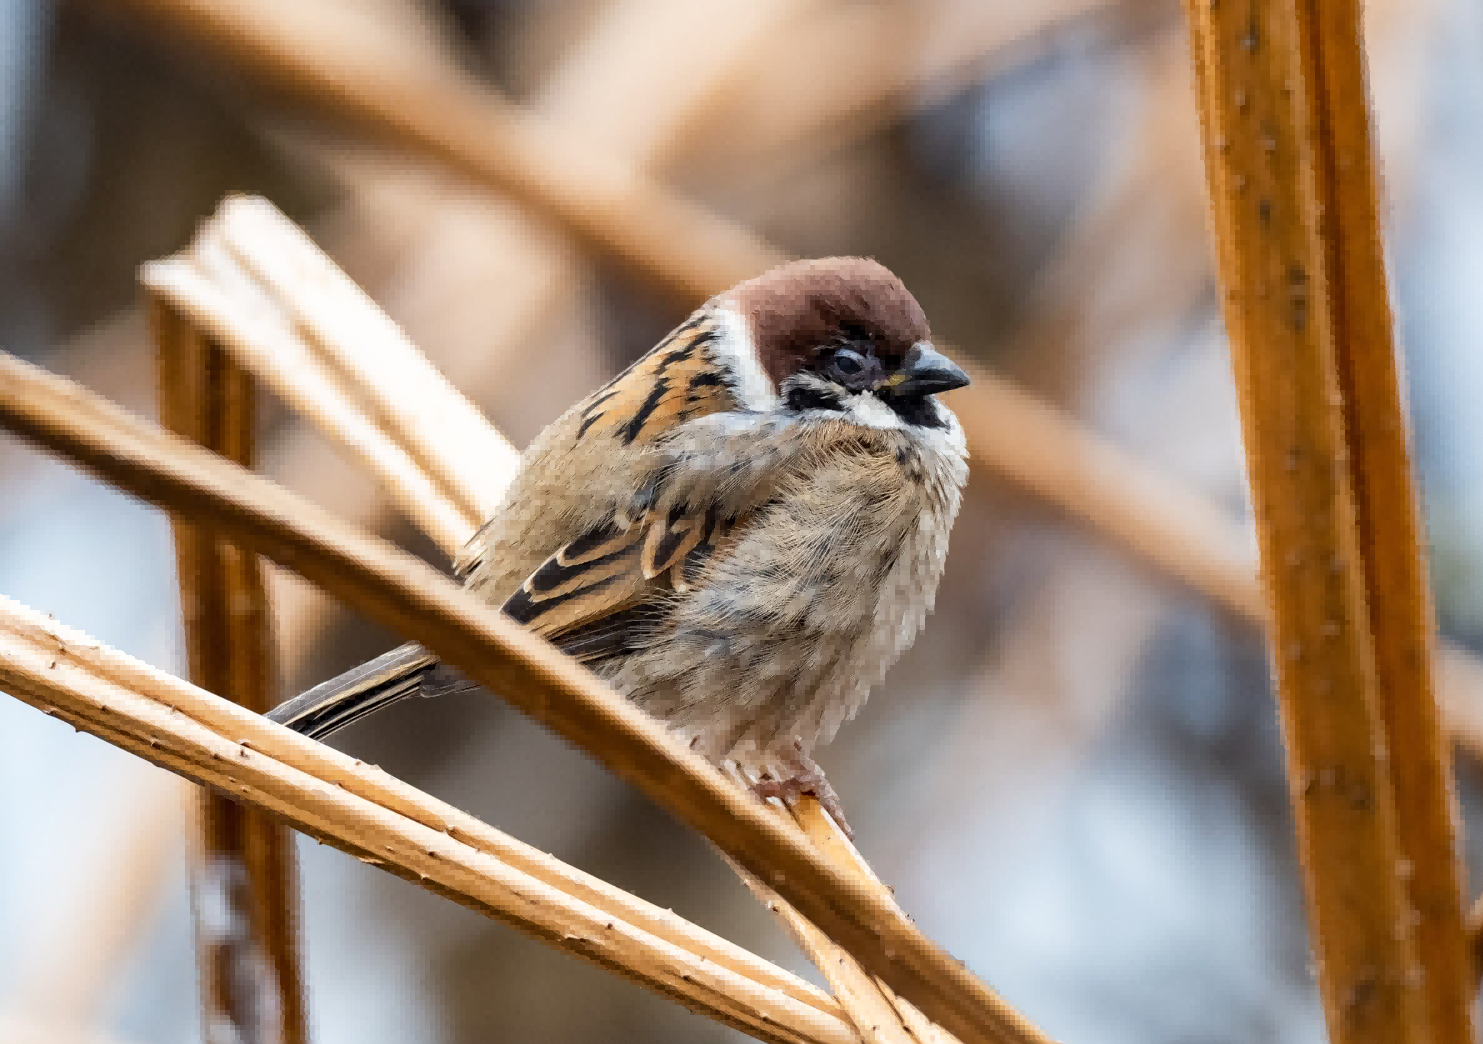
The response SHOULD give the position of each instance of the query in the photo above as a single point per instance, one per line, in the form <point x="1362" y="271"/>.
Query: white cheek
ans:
<point x="752" y="386"/>
<point x="868" y="410"/>
<point x="949" y="439"/>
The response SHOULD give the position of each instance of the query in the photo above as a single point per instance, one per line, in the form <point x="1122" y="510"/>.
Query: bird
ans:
<point x="741" y="532"/>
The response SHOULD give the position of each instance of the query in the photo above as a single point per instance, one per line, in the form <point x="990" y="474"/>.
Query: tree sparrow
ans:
<point x="741" y="532"/>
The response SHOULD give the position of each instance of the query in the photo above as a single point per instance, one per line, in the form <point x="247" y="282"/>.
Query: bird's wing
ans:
<point x="674" y="382"/>
<point x="598" y="592"/>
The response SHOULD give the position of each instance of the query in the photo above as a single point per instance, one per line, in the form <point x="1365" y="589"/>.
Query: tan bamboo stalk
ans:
<point x="575" y="891"/>
<point x="244" y="881"/>
<point x="255" y="284"/>
<point x="840" y="852"/>
<point x="1349" y="198"/>
<point x="868" y="1002"/>
<point x="1290" y="270"/>
<point x="409" y="597"/>
<point x="384" y="822"/>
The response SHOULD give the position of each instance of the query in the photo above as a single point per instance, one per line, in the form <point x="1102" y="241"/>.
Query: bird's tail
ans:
<point x="408" y="670"/>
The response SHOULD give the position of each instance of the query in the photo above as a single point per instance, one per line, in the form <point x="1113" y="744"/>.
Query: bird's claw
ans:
<point x="810" y="781"/>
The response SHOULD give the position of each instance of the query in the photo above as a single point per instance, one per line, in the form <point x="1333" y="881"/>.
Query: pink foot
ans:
<point x="807" y="778"/>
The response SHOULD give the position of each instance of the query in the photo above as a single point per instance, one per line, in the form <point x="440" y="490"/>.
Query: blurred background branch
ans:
<point x="1074" y="780"/>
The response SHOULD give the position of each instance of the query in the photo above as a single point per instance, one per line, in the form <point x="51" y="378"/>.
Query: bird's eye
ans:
<point x="847" y="362"/>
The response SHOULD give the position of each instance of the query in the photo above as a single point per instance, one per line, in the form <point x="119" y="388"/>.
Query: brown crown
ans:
<point x="798" y="309"/>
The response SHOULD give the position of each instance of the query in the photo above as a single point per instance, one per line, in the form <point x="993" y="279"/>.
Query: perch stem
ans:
<point x="1284" y="121"/>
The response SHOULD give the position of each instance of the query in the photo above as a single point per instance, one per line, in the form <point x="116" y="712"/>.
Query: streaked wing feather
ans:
<point x="672" y="383"/>
<point x="600" y="607"/>
<point x="669" y="540"/>
<point x="597" y="592"/>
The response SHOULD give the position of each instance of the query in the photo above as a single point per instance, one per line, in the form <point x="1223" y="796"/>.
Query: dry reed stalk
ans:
<point x="1397" y="593"/>
<point x="1388" y="514"/>
<point x="836" y="848"/>
<point x="878" y="1012"/>
<point x="360" y="809"/>
<point x="244" y="880"/>
<point x="1287" y="157"/>
<point x="871" y="1013"/>
<point x="404" y="594"/>
<point x="254" y="282"/>
<point x="868" y="1003"/>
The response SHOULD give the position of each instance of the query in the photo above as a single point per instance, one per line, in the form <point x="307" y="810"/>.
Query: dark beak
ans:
<point x="926" y="371"/>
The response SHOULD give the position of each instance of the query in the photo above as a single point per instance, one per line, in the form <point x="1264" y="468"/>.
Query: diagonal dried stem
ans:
<point x="251" y="974"/>
<point x="257" y="285"/>
<point x="405" y="595"/>
<point x="359" y="808"/>
<point x="1386" y="510"/>
<point x="836" y="847"/>
<point x="875" y="1019"/>
<point x="861" y="995"/>
<point x="469" y="461"/>
<point x="879" y="1015"/>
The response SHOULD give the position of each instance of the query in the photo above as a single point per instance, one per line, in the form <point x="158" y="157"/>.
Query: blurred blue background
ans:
<point x="1074" y="779"/>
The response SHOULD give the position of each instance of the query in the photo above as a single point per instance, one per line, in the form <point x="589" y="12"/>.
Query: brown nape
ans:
<point x="797" y="309"/>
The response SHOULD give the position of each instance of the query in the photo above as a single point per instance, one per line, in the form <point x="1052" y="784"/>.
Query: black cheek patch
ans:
<point x="800" y="399"/>
<point x="916" y="410"/>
